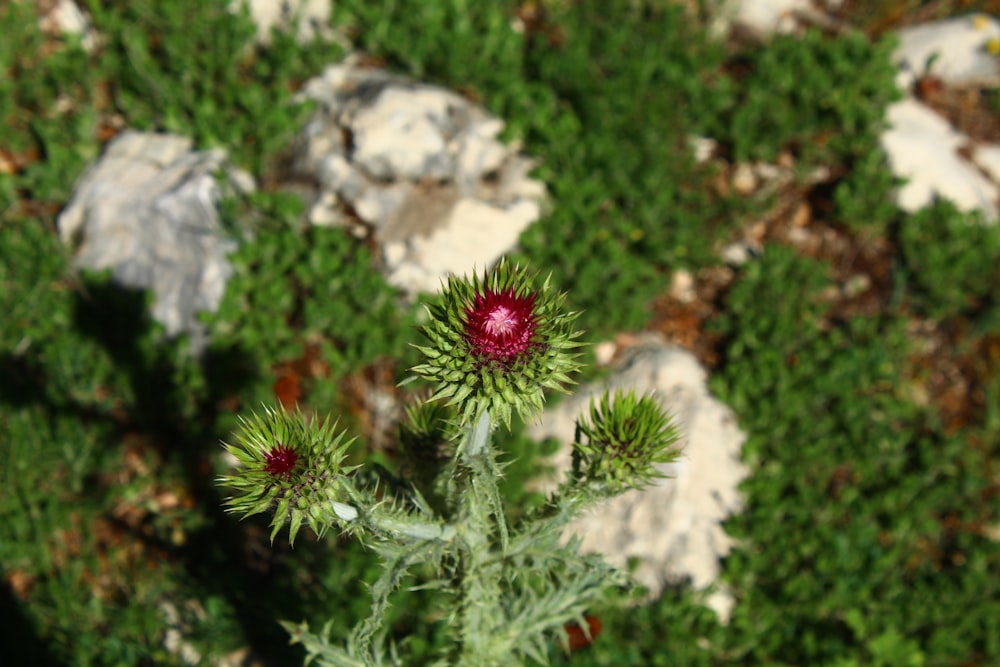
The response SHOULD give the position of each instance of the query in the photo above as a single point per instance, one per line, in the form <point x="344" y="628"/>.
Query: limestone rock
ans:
<point x="936" y="159"/>
<point x="927" y="151"/>
<point x="955" y="50"/>
<point x="419" y="167"/>
<point x="60" y="17"/>
<point x="147" y="211"/>
<point x="674" y="527"/>
<point x="308" y="19"/>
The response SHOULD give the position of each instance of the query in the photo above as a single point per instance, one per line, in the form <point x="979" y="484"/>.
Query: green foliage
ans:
<point x="633" y="82"/>
<point x="852" y="488"/>
<point x="284" y="466"/>
<point x="193" y="68"/>
<point x="100" y="418"/>
<point x="89" y="385"/>
<point x="497" y="344"/>
<point x="46" y="97"/>
<point x="864" y="199"/>
<point x="638" y="433"/>
<point x="295" y="288"/>
<point x="950" y="259"/>
<point x="676" y="630"/>
<point x="491" y="340"/>
<point x="866" y="522"/>
<point x="825" y="98"/>
<point x="69" y="379"/>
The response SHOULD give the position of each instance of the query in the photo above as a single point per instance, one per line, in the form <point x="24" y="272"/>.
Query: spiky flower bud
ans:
<point x="625" y="440"/>
<point x="427" y="442"/>
<point x="497" y="343"/>
<point x="288" y="467"/>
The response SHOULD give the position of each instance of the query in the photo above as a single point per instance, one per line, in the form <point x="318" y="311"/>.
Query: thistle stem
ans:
<point x="480" y="576"/>
<point x="479" y="438"/>
<point x="393" y="524"/>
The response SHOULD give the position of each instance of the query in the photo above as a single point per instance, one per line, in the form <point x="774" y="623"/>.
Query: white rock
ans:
<point x="309" y="19"/>
<point x="325" y="211"/>
<point x="479" y="154"/>
<point x="759" y="17"/>
<point x="703" y="148"/>
<point x="682" y="286"/>
<point x="404" y="134"/>
<point x="66" y="17"/>
<point x="147" y="211"/>
<point x="464" y="243"/>
<point x="954" y="50"/>
<point x="923" y="148"/>
<point x="674" y="527"/>
<point x="744" y="179"/>
<point x="737" y="253"/>
<point x="422" y="167"/>
<point x="604" y="352"/>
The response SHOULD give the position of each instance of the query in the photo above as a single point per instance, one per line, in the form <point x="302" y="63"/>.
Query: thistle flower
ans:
<point x="289" y="467"/>
<point x="497" y="343"/>
<point x="280" y="460"/>
<point x="501" y="326"/>
<point x="625" y="440"/>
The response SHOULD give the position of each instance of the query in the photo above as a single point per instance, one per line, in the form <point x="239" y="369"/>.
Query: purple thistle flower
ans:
<point x="501" y="325"/>
<point x="280" y="460"/>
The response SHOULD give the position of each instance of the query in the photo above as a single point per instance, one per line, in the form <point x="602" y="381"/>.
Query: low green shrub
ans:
<point x="865" y="198"/>
<point x="298" y="288"/>
<point x="821" y="97"/>
<point x="949" y="260"/>
<point x="860" y="529"/>
<point x="195" y="69"/>
<point x="47" y="105"/>
<point x="865" y="540"/>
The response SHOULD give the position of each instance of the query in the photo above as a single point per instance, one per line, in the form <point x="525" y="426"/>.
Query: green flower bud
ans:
<point x="623" y="443"/>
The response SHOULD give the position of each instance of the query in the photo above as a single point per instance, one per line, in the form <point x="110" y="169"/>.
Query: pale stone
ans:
<point x="759" y="18"/>
<point x="604" y="352"/>
<point x="403" y="135"/>
<point x="421" y="167"/>
<point x="987" y="158"/>
<point x="736" y="253"/>
<point x="66" y="17"/>
<point x="674" y="528"/>
<point x="744" y="179"/>
<point x="955" y="50"/>
<point x="923" y="148"/>
<point x="463" y="244"/>
<point x="147" y="211"/>
<point x="308" y="19"/>
<point x="703" y="148"/>
<point x="682" y="286"/>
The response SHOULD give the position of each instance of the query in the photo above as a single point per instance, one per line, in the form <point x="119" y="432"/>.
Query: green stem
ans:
<point x="481" y="519"/>
<point x="383" y="521"/>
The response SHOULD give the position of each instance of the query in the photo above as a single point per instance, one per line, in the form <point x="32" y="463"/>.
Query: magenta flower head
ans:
<point x="497" y="343"/>
<point x="501" y="325"/>
<point x="280" y="460"/>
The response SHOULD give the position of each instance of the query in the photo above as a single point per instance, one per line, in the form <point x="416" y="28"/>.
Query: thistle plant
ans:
<point x="494" y="345"/>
